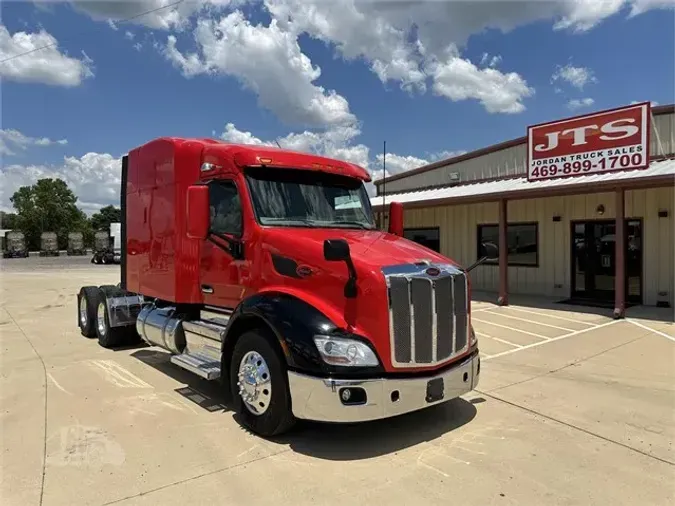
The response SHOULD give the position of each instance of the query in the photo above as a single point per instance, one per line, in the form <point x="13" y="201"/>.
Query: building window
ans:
<point x="429" y="237"/>
<point x="523" y="243"/>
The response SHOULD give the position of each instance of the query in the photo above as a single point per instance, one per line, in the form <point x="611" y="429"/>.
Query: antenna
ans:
<point x="278" y="144"/>
<point x="384" y="180"/>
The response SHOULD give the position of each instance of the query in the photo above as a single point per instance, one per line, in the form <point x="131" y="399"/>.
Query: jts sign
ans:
<point x="612" y="140"/>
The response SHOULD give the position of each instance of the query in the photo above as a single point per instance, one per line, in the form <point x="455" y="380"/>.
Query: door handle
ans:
<point x="207" y="289"/>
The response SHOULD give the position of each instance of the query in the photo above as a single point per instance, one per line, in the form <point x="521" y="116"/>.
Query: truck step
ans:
<point x="218" y="316"/>
<point x="206" y="329"/>
<point x="200" y="365"/>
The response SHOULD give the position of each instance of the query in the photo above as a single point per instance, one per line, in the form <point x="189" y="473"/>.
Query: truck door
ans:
<point x="221" y="280"/>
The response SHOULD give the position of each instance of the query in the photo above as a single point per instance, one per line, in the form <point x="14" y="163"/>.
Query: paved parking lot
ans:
<point x="573" y="408"/>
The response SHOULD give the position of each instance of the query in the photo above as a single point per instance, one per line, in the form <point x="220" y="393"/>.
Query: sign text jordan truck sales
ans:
<point x="617" y="139"/>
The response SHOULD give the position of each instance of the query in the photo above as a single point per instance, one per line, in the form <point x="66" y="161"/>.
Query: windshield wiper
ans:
<point x="360" y="224"/>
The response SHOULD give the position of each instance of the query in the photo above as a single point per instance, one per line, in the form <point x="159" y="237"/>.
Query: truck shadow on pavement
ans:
<point x="208" y="395"/>
<point x="339" y="442"/>
<point x="323" y="440"/>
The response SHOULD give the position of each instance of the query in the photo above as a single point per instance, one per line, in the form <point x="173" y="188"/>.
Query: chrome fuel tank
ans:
<point x="161" y="327"/>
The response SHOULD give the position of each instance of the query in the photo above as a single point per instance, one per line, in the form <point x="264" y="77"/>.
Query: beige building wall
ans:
<point x="458" y="238"/>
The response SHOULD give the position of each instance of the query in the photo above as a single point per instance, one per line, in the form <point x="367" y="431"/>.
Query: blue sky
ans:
<point x="485" y="79"/>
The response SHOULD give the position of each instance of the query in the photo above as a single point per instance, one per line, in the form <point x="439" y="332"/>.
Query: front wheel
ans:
<point x="259" y="386"/>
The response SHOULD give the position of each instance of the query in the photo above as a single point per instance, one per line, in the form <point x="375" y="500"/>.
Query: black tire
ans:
<point x="109" y="337"/>
<point x="278" y="418"/>
<point x="91" y="294"/>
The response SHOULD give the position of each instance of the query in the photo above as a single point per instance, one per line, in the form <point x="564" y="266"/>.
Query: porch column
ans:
<point x="503" y="299"/>
<point x="620" y="257"/>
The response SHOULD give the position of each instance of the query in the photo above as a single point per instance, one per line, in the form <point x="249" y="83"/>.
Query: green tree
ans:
<point x="107" y="215"/>
<point x="47" y="206"/>
<point x="8" y="221"/>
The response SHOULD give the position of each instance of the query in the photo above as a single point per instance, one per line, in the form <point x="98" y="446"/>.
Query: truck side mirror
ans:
<point x="198" y="216"/>
<point x="336" y="250"/>
<point x="396" y="218"/>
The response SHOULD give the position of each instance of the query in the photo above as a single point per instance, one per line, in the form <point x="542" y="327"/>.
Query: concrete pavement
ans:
<point x="578" y="410"/>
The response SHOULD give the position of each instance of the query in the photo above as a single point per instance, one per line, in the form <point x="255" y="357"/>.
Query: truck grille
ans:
<point x="428" y="318"/>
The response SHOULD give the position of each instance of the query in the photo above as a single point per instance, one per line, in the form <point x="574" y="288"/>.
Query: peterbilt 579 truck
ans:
<point x="263" y="268"/>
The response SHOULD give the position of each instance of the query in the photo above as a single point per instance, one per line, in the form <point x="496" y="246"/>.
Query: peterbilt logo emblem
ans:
<point x="433" y="271"/>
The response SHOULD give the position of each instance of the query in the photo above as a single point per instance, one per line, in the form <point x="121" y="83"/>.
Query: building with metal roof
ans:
<point x="584" y="204"/>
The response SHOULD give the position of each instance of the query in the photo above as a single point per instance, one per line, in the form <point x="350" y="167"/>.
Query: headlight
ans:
<point x="345" y="352"/>
<point x="474" y="338"/>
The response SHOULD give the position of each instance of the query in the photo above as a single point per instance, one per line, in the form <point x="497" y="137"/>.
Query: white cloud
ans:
<point x="338" y="143"/>
<point x="47" y="65"/>
<point x="490" y="61"/>
<point x="94" y="178"/>
<point x="575" y="76"/>
<point x="577" y="103"/>
<point x="156" y="14"/>
<point x="12" y="140"/>
<point x="129" y="35"/>
<point x="357" y="29"/>
<point x="138" y="46"/>
<point x="641" y="6"/>
<point x="409" y="42"/>
<point x="396" y="164"/>
<point x="403" y="41"/>
<point x="582" y="15"/>
<point x="445" y="155"/>
<point x="268" y="61"/>
<point x="458" y="79"/>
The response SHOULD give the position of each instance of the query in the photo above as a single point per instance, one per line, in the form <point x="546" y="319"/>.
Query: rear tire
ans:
<point x="266" y="388"/>
<point x="112" y="337"/>
<point x="108" y="337"/>
<point x="87" y="302"/>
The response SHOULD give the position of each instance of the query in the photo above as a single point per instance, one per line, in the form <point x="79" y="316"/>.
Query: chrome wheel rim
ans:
<point x="83" y="311"/>
<point x="100" y="318"/>
<point x="255" y="383"/>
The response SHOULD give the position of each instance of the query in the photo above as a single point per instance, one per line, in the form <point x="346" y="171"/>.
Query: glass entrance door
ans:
<point x="594" y="260"/>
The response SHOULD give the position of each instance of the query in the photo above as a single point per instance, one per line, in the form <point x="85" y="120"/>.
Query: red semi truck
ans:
<point x="263" y="268"/>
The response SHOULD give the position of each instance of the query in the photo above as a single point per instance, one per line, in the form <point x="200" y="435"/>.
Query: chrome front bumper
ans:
<point x="319" y="399"/>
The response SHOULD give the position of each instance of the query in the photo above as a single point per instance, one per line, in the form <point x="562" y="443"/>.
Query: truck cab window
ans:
<point x="302" y="198"/>
<point x="225" y="208"/>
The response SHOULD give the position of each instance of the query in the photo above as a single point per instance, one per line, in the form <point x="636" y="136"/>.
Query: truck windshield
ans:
<point x="288" y="197"/>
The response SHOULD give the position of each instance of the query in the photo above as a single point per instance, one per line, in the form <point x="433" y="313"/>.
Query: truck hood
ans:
<point x="293" y="263"/>
<point x="370" y="249"/>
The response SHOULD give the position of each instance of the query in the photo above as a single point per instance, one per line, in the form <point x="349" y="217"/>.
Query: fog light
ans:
<point x="352" y="396"/>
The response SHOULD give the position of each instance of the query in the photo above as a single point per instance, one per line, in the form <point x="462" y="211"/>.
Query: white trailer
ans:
<point x="116" y="234"/>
